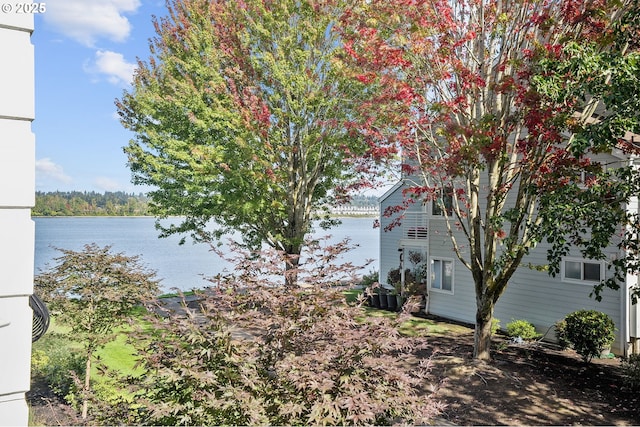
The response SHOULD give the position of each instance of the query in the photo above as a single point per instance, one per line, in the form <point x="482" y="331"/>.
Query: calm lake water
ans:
<point x="179" y="266"/>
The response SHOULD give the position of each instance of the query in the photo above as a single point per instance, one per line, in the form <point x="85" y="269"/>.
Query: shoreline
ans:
<point x="175" y="216"/>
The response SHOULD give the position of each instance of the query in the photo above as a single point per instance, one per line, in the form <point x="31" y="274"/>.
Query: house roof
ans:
<point x="390" y="191"/>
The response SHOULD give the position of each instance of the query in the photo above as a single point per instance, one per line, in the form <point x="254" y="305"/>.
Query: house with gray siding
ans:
<point x="421" y="243"/>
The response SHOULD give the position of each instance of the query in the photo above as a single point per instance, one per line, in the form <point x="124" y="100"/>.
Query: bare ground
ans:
<point x="535" y="384"/>
<point x="523" y="385"/>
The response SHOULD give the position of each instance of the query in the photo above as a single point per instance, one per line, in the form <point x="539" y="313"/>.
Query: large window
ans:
<point x="441" y="274"/>
<point x="579" y="270"/>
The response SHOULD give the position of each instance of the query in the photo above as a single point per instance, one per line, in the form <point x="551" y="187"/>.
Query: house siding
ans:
<point x="17" y="196"/>
<point x="532" y="295"/>
<point x="389" y="244"/>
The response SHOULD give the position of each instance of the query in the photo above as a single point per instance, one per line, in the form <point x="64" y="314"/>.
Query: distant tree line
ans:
<point x="364" y="201"/>
<point x="90" y="203"/>
<point x="118" y="203"/>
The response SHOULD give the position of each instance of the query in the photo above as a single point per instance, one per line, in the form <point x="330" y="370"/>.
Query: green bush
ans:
<point x="631" y="371"/>
<point x="369" y="278"/>
<point x="54" y="361"/>
<point x="495" y="325"/>
<point x="523" y="329"/>
<point x="589" y="332"/>
<point x="561" y="334"/>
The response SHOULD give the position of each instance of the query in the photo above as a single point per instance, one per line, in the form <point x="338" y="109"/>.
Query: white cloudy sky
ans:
<point x="85" y="55"/>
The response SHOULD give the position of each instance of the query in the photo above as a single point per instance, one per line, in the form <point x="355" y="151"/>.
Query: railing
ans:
<point x="414" y="226"/>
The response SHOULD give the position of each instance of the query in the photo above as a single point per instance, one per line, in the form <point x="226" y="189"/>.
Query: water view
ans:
<point x="179" y="266"/>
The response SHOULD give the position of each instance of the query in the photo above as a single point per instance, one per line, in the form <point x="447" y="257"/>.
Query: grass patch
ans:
<point x="177" y="294"/>
<point x="118" y="355"/>
<point x="414" y="327"/>
<point x="56" y="352"/>
<point x="352" y="295"/>
<point x="418" y="327"/>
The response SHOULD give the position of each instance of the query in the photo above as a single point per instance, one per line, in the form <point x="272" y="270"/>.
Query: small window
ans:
<point x="445" y="198"/>
<point x="587" y="179"/>
<point x="442" y="274"/>
<point x="579" y="270"/>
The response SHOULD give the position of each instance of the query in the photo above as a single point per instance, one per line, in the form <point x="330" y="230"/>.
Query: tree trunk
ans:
<point x="85" y="390"/>
<point x="482" y="333"/>
<point x="292" y="261"/>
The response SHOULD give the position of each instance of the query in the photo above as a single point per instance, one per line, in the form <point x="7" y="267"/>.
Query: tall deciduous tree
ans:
<point x="93" y="292"/>
<point x="239" y="118"/>
<point x="499" y="103"/>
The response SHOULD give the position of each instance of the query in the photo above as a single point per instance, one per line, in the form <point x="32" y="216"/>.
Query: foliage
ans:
<point x="561" y="334"/>
<point x="480" y="96"/>
<point x="361" y="200"/>
<point x="370" y="278"/>
<point x="413" y="284"/>
<point x="495" y="325"/>
<point x="630" y="367"/>
<point x="78" y="203"/>
<point x="258" y="354"/>
<point x="523" y="329"/>
<point x="239" y="116"/>
<point x="414" y="278"/>
<point x="93" y="292"/>
<point x="58" y="365"/>
<point x="589" y="332"/>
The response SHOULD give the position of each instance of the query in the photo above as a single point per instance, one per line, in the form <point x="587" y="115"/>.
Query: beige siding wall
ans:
<point x="17" y="170"/>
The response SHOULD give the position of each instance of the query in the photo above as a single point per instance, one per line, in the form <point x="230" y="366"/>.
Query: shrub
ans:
<point x="273" y="355"/>
<point x="523" y="329"/>
<point x="369" y="278"/>
<point x="412" y="285"/>
<point x="631" y="371"/>
<point x="495" y="325"/>
<point x="58" y="366"/>
<point x="589" y="332"/>
<point x="561" y="334"/>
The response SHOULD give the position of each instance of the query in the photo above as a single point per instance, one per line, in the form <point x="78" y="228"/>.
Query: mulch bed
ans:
<point x="530" y="385"/>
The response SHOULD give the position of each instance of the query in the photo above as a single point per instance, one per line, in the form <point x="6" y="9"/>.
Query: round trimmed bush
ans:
<point x="523" y="329"/>
<point x="589" y="332"/>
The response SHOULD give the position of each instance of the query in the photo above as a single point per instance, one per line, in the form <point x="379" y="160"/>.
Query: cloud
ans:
<point x="46" y="168"/>
<point x="85" y="21"/>
<point x="113" y="65"/>
<point x="107" y="184"/>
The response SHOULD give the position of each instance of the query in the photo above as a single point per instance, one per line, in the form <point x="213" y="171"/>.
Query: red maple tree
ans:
<point x="502" y="102"/>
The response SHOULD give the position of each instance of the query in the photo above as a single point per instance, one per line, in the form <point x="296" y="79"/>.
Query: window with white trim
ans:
<point x="580" y="270"/>
<point x="441" y="274"/>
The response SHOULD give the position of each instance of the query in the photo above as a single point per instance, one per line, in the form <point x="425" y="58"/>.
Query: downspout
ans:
<point x="630" y="313"/>
<point x="402" y="275"/>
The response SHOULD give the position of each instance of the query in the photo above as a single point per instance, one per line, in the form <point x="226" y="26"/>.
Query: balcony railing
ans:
<point x="414" y="226"/>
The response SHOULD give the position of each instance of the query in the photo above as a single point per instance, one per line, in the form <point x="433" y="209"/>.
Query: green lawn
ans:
<point x="119" y="356"/>
<point x="414" y="327"/>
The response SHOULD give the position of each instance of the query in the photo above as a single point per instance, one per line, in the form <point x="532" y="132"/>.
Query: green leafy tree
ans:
<point x="239" y="118"/>
<point x="93" y="292"/>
